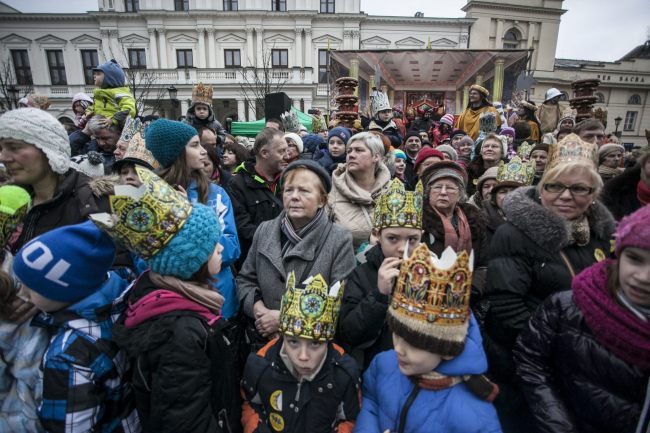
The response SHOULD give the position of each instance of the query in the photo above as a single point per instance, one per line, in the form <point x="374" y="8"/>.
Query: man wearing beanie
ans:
<point x="36" y="153"/>
<point x="65" y="272"/>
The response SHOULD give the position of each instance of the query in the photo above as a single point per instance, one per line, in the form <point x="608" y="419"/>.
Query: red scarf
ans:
<point x="461" y="240"/>
<point x="643" y="193"/>
<point x="478" y="384"/>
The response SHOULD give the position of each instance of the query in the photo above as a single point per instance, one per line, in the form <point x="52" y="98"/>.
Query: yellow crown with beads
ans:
<point x="311" y="311"/>
<point x="398" y="207"/>
<point x="524" y="149"/>
<point x="202" y="93"/>
<point x="146" y="218"/>
<point x="572" y="149"/>
<point x="516" y="172"/>
<point x="430" y="303"/>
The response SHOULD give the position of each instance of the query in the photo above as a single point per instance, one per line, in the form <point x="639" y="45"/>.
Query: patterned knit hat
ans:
<point x="508" y="131"/>
<point x="341" y="132"/>
<point x="448" y="119"/>
<point x="91" y="164"/>
<point x="14" y="204"/>
<point x="608" y="148"/>
<point x="444" y="169"/>
<point x="41" y="129"/>
<point x="634" y="231"/>
<point x="424" y="153"/>
<point x="166" y="139"/>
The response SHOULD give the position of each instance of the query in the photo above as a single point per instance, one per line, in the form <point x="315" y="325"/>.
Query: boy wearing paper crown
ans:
<point x="362" y="327"/>
<point x="432" y="380"/>
<point x="382" y="115"/>
<point x="201" y="114"/>
<point x="301" y="381"/>
<point x="65" y="275"/>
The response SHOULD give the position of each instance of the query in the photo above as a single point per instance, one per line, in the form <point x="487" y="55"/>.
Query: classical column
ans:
<point x="298" y="47"/>
<point x="106" y="44"/>
<point x="200" y="32"/>
<point x="498" y="37"/>
<point x="531" y="35"/>
<point x="241" y="110"/>
<point x="479" y="79"/>
<point x="354" y="73"/>
<point x="371" y="84"/>
<point x="251" y="111"/>
<point x="184" y="106"/>
<point x="212" y="49"/>
<point x="465" y="96"/>
<point x="497" y="89"/>
<point x="153" y="49"/>
<point x="250" y="50"/>
<point x="347" y="38"/>
<point x="308" y="49"/>
<point x="459" y="100"/>
<point x="163" y="48"/>
<point x="116" y="49"/>
<point x="259" y="31"/>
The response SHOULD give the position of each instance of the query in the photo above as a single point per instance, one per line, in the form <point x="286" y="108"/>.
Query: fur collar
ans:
<point x="548" y="230"/>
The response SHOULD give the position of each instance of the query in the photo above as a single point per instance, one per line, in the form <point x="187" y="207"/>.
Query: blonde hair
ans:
<point x="559" y="170"/>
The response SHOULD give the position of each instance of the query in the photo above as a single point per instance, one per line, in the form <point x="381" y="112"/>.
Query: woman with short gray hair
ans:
<point x="357" y="184"/>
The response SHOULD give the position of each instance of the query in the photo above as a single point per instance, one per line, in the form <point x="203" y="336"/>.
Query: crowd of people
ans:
<point x="478" y="271"/>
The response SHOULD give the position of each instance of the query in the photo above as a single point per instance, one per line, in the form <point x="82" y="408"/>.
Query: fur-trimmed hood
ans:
<point x="546" y="229"/>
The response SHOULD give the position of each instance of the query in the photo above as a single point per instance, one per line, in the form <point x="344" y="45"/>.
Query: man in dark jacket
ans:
<point x="255" y="190"/>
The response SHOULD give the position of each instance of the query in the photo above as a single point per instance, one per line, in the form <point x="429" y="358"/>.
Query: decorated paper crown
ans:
<point x="146" y="218"/>
<point x="399" y="207"/>
<point x="290" y="122"/>
<point x="571" y="149"/>
<point x="515" y="173"/>
<point x="202" y="93"/>
<point x="310" y="312"/>
<point x="567" y="113"/>
<point x="318" y="124"/>
<point x="379" y="102"/>
<point x="131" y="127"/>
<point x="14" y="204"/>
<point x="487" y="122"/>
<point x="137" y="152"/>
<point x="524" y="149"/>
<point x="430" y="304"/>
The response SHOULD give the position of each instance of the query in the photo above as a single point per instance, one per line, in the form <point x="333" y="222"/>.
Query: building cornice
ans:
<point x="509" y="7"/>
<point x="47" y="17"/>
<point x="424" y="20"/>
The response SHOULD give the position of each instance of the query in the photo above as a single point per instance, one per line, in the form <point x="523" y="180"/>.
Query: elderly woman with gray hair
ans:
<point x="357" y="184"/>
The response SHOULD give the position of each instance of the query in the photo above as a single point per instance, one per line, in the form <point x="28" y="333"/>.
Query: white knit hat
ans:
<point x="296" y="139"/>
<point x="41" y="129"/>
<point x="91" y="164"/>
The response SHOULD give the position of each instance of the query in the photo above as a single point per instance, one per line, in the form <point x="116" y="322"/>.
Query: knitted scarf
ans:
<point x="643" y="193"/>
<point x="579" y="231"/>
<point x="615" y="327"/>
<point x="208" y="298"/>
<point x="294" y="236"/>
<point x="608" y="172"/>
<point x="461" y="240"/>
<point x="478" y="384"/>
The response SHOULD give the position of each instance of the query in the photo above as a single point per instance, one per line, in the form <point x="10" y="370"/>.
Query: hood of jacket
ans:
<point x="113" y="75"/>
<point x="347" y="187"/>
<point x="82" y="97"/>
<point x="472" y="359"/>
<point x="191" y="114"/>
<point x="547" y="229"/>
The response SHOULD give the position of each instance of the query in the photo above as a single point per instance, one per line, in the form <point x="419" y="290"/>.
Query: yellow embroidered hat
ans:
<point x="515" y="173"/>
<point x="398" y="207"/>
<point x="572" y="149"/>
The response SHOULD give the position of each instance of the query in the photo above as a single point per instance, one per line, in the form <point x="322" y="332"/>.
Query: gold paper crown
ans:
<point x="399" y="207"/>
<point x="516" y="172"/>
<point x="144" y="219"/>
<point x="14" y="204"/>
<point x="572" y="149"/>
<point x="290" y="121"/>
<point x="131" y="127"/>
<point x="430" y="304"/>
<point x="202" y="94"/>
<point x="524" y="149"/>
<point x="379" y="102"/>
<point x="138" y="150"/>
<point x="310" y="312"/>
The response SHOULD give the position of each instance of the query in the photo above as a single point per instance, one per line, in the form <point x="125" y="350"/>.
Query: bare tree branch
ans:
<point x="7" y="81"/>
<point x="256" y="83"/>
<point x="144" y="87"/>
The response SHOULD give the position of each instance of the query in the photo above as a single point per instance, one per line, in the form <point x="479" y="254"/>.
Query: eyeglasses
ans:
<point x="448" y="188"/>
<point x="575" y="190"/>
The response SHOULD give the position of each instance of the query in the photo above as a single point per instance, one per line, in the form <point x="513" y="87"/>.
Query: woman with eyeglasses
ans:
<point x="553" y="231"/>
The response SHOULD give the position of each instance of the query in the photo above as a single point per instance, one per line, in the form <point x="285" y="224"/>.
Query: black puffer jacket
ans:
<point x="493" y="217"/>
<point x="572" y="382"/>
<point x="362" y="328"/>
<point x="619" y="194"/>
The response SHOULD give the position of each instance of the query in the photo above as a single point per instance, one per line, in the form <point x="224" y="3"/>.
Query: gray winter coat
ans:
<point x="265" y="271"/>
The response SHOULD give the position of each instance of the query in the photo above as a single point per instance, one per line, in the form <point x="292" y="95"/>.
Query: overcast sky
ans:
<point x="590" y="29"/>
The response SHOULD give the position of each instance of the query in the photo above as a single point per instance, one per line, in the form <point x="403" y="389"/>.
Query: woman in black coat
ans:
<point x="630" y="190"/>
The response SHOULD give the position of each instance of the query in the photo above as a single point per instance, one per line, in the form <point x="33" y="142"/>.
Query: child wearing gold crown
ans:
<point x="432" y="380"/>
<point x="200" y="114"/>
<point x="362" y="327"/>
<point x="302" y="382"/>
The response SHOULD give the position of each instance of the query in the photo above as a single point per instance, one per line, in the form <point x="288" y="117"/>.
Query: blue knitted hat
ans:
<point x="191" y="247"/>
<point x="66" y="264"/>
<point x="166" y="139"/>
<point x="340" y="132"/>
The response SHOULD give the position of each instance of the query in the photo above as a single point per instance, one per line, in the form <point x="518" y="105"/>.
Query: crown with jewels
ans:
<point x="146" y="218"/>
<point x="488" y="122"/>
<point x="398" y="207"/>
<point x="202" y="93"/>
<point x="137" y="150"/>
<point x="14" y="204"/>
<point x="516" y="172"/>
<point x="524" y="149"/>
<point x="572" y="149"/>
<point x="379" y="102"/>
<point x="430" y="303"/>
<point x="290" y="121"/>
<point x="312" y="311"/>
<point x="132" y="126"/>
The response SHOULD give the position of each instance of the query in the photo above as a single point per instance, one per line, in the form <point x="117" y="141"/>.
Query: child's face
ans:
<point x="385" y="115"/>
<point x="336" y="146"/>
<point x="214" y="262"/>
<point x="78" y="108"/>
<point x="201" y="111"/>
<point x="305" y="355"/>
<point x="400" y="166"/>
<point x="413" y="361"/>
<point x="128" y="176"/>
<point x="42" y="303"/>
<point x="98" y="77"/>
<point x="393" y="241"/>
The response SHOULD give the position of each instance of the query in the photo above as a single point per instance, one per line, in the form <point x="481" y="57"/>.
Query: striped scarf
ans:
<point x="294" y="236"/>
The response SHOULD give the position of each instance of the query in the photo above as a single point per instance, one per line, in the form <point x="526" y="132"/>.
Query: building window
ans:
<point x="323" y="61"/>
<point x="89" y="60"/>
<point x="630" y="121"/>
<point x="230" y="5"/>
<point x="131" y="5"/>
<point x="182" y="5"/>
<point x="279" y="5"/>
<point x="56" y="66"/>
<point x="21" y="67"/>
<point x="137" y="58"/>
<point x="601" y="98"/>
<point x="184" y="59"/>
<point x="511" y="40"/>
<point x="327" y="6"/>
<point x="280" y="58"/>
<point x="232" y="58"/>
<point x="634" y="100"/>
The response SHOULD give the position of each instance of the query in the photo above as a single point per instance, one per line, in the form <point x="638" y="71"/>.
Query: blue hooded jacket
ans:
<point x="451" y="410"/>
<point x="113" y="75"/>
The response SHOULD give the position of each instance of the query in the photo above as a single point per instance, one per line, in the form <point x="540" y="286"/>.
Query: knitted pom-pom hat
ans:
<point x="192" y="246"/>
<point x="166" y="139"/>
<point x="634" y="231"/>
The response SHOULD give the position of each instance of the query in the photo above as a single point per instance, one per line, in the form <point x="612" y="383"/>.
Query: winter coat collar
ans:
<point x="432" y="224"/>
<point x="347" y="187"/>
<point x="548" y="230"/>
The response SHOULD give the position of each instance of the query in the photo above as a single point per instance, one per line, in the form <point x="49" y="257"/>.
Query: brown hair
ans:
<point x="8" y="293"/>
<point x="292" y="173"/>
<point x="180" y="174"/>
<point x="203" y="276"/>
<point x="241" y="153"/>
<point x="265" y="137"/>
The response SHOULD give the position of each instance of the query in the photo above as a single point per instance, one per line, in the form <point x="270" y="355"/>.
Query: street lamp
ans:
<point x="617" y="122"/>
<point x="13" y="93"/>
<point x="173" y="93"/>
